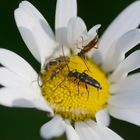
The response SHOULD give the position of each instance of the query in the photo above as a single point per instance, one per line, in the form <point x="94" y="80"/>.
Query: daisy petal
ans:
<point x="17" y="97"/>
<point x="130" y="83"/>
<point x="129" y="64"/>
<point x="53" y="128"/>
<point x="125" y="114"/>
<point x="30" y="42"/>
<point x="86" y="132"/>
<point x="19" y="92"/>
<point x="23" y="97"/>
<point x="29" y="20"/>
<point x="89" y="130"/>
<point x="10" y="79"/>
<point x="129" y="19"/>
<point x="127" y="100"/>
<point x="103" y="132"/>
<point x="71" y="133"/>
<point x="65" y="10"/>
<point x="106" y="133"/>
<point x="102" y="118"/>
<point x="93" y="31"/>
<point x="76" y="28"/>
<point x="34" y="13"/>
<point x="41" y="104"/>
<point x="123" y="45"/>
<point x="17" y="65"/>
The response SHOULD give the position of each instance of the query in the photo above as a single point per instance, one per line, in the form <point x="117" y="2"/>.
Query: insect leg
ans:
<point x="98" y="93"/>
<point x="67" y="88"/>
<point x="85" y="63"/>
<point x="78" y="87"/>
<point x="87" y="88"/>
<point x="58" y="85"/>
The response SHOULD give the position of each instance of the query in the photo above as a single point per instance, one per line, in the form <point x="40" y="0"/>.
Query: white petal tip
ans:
<point x="53" y="128"/>
<point x="98" y="26"/>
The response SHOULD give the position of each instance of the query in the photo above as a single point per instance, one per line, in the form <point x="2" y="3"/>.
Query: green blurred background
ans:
<point x="24" y="124"/>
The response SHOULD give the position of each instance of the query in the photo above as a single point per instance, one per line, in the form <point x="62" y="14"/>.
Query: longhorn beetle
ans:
<point x="83" y="77"/>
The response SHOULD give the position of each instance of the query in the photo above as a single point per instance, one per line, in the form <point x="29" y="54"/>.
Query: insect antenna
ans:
<point x="38" y="80"/>
<point x="87" y="90"/>
<point x="81" y="54"/>
<point x="85" y="63"/>
<point x="87" y="48"/>
<point x="58" y="85"/>
<point x="65" y="60"/>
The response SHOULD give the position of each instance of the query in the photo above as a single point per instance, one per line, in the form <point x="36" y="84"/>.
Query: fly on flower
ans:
<point x="80" y="118"/>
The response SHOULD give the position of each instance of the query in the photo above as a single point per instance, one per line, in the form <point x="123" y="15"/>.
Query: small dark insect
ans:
<point x="60" y="63"/>
<point x="57" y="70"/>
<point x="56" y="61"/>
<point x="89" y="46"/>
<point x="83" y="77"/>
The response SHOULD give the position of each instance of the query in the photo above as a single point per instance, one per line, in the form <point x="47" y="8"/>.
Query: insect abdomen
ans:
<point x="83" y="77"/>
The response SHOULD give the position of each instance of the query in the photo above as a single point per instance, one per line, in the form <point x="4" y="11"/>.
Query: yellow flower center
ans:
<point x="65" y="86"/>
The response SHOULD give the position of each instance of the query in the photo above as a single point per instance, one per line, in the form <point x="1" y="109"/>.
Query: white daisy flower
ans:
<point x="79" y="106"/>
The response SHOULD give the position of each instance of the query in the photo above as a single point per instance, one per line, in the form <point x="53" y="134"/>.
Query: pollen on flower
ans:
<point x="71" y="98"/>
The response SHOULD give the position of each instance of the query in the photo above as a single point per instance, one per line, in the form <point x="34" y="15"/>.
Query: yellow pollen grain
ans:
<point x="71" y="98"/>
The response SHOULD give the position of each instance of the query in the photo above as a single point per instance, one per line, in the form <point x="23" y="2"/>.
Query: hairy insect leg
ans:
<point x="87" y="90"/>
<point x="84" y="60"/>
<point x="78" y="87"/>
<point x="66" y="87"/>
<point x="98" y="95"/>
<point x="58" y="85"/>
